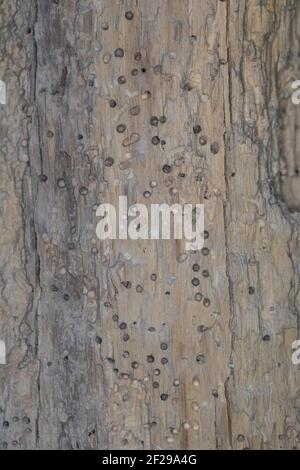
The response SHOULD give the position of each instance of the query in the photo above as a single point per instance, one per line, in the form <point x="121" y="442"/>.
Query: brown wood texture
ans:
<point x="100" y="355"/>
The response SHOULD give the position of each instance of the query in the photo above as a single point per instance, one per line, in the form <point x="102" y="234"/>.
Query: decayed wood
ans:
<point x="99" y="353"/>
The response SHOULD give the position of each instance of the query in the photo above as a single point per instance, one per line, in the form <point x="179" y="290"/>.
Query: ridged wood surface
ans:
<point x="100" y="355"/>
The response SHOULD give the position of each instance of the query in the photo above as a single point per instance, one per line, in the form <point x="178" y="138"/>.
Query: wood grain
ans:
<point x="100" y="355"/>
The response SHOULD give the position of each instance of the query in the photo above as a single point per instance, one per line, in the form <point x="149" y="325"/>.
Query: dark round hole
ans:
<point x="129" y="15"/>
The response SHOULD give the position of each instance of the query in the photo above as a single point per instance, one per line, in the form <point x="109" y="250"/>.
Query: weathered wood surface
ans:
<point x="77" y="374"/>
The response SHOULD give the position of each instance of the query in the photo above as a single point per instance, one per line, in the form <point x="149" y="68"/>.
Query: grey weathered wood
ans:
<point x="227" y="66"/>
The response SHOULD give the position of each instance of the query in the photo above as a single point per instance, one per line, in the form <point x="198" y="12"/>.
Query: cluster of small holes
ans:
<point x="124" y="129"/>
<point x="19" y="425"/>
